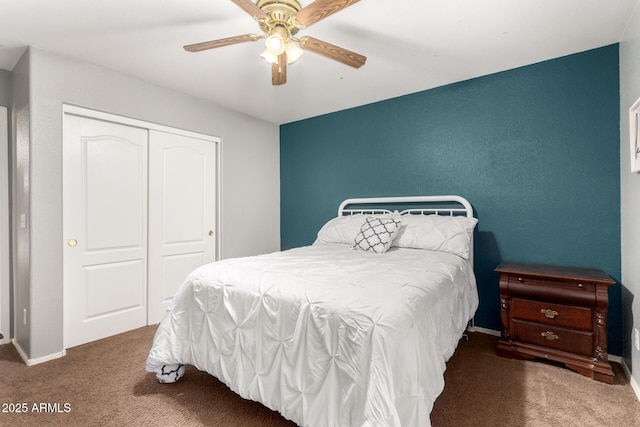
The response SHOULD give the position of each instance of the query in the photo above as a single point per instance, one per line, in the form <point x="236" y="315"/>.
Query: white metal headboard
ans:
<point x="425" y="205"/>
<point x="432" y="205"/>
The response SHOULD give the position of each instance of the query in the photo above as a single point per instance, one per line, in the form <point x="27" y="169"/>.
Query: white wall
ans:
<point x="250" y="171"/>
<point x="630" y="195"/>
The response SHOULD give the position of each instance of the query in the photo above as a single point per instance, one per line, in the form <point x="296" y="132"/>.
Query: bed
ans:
<point x="353" y="330"/>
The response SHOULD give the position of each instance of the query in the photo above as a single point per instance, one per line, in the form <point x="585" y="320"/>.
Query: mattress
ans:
<point x="324" y="334"/>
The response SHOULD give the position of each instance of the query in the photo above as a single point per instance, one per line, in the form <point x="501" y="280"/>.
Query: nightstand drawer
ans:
<point x="576" y="292"/>
<point x="552" y="314"/>
<point x="577" y="342"/>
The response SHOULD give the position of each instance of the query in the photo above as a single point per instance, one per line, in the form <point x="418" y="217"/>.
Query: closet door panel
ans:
<point x="104" y="228"/>
<point x="114" y="206"/>
<point x="182" y="194"/>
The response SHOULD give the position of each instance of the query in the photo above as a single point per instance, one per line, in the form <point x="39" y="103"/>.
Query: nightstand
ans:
<point x="556" y="313"/>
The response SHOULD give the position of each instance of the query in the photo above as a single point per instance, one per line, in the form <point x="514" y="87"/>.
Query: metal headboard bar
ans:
<point x="425" y="211"/>
<point x="466" y="206"/>
<point x="365" y="211"/>
<point x="434" y="211"/>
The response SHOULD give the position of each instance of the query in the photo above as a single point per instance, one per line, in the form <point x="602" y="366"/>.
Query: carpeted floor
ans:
<point x="484" y="390"/>
<point x="104" y="384"/>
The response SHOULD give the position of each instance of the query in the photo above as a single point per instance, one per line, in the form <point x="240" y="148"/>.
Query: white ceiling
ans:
<point x="410" y="45"/>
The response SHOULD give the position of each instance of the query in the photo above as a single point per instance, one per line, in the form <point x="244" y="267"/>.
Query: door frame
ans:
<point x="5" y="254"/>
<point x="122" y="120"/>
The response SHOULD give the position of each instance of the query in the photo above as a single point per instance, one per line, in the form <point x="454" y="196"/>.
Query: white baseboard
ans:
<point x="483" y="330"/>
<point x="635" y="386"/>
<point x="31" y="362"/>
<point x="632" y="381"/>
<point x="614" y="358"/>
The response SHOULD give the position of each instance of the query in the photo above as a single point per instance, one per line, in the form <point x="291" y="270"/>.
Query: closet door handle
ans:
<point x="210" y="233"/>
<point x="72" y="242"/>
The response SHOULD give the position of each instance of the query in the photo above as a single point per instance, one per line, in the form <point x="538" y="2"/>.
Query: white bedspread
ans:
<point x="326" y="335"/>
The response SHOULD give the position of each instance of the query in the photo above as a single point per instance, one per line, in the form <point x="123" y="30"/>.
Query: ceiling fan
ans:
<point x="280" y="21"/>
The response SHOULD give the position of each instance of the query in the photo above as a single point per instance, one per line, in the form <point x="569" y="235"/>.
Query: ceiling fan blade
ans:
<point x="197" y="47"/>
<point x="279" y="70"/>
<point x="320" y="9"/>
<point x="337" y="53"/>
<point x="251" y="8"/>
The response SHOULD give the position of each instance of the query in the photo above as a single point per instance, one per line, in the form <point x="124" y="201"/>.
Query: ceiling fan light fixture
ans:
<point x="294" y="52"/>
<point x="269" y="56"/>
<point x="276" y="43"/>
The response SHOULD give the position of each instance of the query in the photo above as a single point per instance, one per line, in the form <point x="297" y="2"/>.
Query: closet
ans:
<point x="139" y="213"/>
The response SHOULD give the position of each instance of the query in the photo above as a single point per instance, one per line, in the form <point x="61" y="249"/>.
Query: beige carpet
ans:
<point x="104" y="384"/>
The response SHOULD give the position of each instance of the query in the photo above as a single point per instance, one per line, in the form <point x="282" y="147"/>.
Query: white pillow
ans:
<point x="376" y="234"/>
<point x="341" y="229"/>
<point x="437" y="233"/>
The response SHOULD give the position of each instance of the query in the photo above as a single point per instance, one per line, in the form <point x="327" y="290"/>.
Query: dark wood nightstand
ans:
<point x="556" y="313"/>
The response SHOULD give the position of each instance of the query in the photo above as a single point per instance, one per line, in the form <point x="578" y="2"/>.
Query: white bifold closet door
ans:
<point x="138" y="216"/>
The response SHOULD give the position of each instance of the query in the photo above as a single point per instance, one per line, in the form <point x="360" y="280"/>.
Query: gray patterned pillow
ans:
<point x="376" y="234"/>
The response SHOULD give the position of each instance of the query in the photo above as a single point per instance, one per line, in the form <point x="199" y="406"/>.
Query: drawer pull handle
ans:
<point x="551" y="314"/>
<point x="520" y="279"/>
<point x="580" y="285"/>
<point x="550" y="336"/>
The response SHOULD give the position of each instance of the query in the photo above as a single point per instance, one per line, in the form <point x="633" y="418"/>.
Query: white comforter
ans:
<point x="326" y="335"/>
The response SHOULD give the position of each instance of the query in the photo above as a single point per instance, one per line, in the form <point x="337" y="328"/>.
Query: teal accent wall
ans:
<point x="535" y="150"/>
